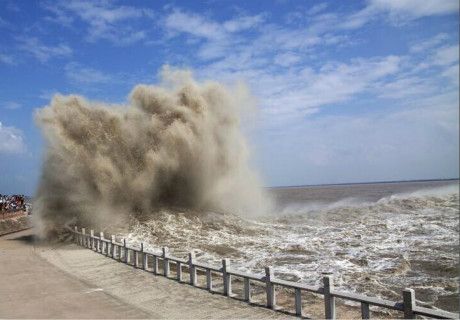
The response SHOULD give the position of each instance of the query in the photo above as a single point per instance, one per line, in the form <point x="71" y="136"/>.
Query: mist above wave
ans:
<point x="177" y="145"/>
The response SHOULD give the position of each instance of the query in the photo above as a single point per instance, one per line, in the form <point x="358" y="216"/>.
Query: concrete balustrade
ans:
<point x="113" y="247"/>
<point x="408" y="305"/>
<point x="92" y="239"/>
<point x="83" y="233"/>
<point x="209" y="279"/>
<point x="165" y="262"/>
<point x="270" y="288"/>
<point x="125" y="252"/>
<point x="192" y="269"/>
<point x="101" y="242"/>
<point x="329" y="299"/>
<point x="227" y="278"/>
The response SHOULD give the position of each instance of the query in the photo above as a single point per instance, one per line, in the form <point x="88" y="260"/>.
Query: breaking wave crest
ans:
<point x="422" y="198"/>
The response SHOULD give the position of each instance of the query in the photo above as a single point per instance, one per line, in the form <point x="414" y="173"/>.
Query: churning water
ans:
<point x="375" y="238"/>
<point x="174" y="161"/>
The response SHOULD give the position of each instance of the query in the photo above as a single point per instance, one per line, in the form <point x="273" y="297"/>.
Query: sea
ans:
<point x="374" y="238"/>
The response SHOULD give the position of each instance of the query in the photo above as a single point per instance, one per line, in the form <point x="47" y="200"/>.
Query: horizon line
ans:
<point x="361" y="182"/>
<point x="341" y="183"/>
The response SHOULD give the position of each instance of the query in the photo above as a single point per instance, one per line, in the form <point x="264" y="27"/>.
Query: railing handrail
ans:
<point x="369" y="300"/>
<point x="408" y="306"/>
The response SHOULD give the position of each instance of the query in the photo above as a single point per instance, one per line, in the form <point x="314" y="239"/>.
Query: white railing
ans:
<point x="130" y="255"/>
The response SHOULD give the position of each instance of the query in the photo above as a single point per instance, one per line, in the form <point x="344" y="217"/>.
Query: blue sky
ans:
<point x="347" y="91"/>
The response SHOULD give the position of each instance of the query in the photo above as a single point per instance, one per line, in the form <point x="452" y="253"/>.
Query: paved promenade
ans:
<point x="67" y="281"/>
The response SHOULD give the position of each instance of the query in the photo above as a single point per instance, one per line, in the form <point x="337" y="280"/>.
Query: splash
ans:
<point x="177" y="146"/>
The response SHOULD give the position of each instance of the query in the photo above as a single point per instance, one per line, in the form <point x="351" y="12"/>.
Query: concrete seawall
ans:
<point x="15" y="223"/>
<point x="66" y="281"/>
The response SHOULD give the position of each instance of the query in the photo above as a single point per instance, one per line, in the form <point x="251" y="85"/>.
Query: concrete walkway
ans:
<point x="67" y="281"/>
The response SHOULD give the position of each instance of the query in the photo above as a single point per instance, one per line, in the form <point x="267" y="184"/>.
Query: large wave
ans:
<point x="175" y="146"/>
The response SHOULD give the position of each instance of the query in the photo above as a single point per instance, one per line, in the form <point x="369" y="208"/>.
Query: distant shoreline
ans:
<point x="361" y="183"/>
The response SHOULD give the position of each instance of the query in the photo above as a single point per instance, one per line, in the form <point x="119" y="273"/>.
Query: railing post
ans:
<point x="165" y="262"/>
<point x="191" y="268"/>
<point x="247" y="289"/>
<point x="144" y="258"/>
<point x="409" y="303"/>
<point x="365" y="311"/>
<point x="75" y="229"/>
<point x="136" y="258"/>
<point x="208" y="279"/>
<point x="80" y="238"/>
<point x="329" y="300"/>
<point x="92" y="239"/>
<point x="109" y="247"/>
<point x="270" y="287"/>
<point x="125" y="252"/>
<point x="101" y="235"/>
<point x="179" y="271"/>
<point x="226" y="277"/>
<point x="98" y="243"/>
<point x="298" y="302"/>
<point x="155" y="265"/>
<point x="113" y="247"/>
<point x="83" y="235"/>
<point x="119" y="253"/>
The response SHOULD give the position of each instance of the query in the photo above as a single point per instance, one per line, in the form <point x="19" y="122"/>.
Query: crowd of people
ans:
<point x="12" y="203"/>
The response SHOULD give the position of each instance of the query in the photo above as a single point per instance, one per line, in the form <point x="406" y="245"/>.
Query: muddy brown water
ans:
<point x="375" y="239"/>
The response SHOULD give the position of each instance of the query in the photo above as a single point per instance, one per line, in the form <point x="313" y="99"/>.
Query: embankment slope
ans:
<point x="66" y="281"/>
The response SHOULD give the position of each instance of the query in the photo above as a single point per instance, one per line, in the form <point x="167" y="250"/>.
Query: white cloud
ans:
<point x="405" y="87"/>
<point x="11" y="140"/>
<point x="358" y="19"/>
<point x="59" y="16"/>
<point x="292" y="93"/>
<point x="416" y="8"/>
<point x="452" y="74"/>
<point x="219" y="39"/>
<point x="317" y="8"/>
<point x="265" y="59"/>
<point x="199" y="26"/>
<point x="78" y="73"/>
<point x="11" y="105"/>
<point x="446" y="55"/>
<point x="243" y="23"/>
<point x="194" y="24"/>
<point x="286" y="59"/>
<point x="429" y="43"/>
<point x="47" y="94"/>
<point x="417" y="141"/>
<point x="43" y="52"/>
<point x="7" y="59"/>
<point x="437" y="53"/>
<point x="399" y="11"/>
<point x="104" y="20"/>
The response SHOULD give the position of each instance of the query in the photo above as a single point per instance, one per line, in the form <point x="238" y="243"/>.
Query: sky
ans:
<point x="347" y="91"/>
